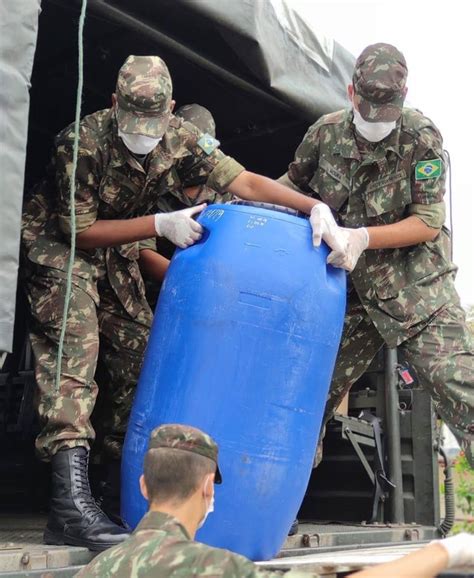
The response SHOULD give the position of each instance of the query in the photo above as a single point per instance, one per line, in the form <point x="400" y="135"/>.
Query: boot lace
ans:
<point x="85" y="500"/>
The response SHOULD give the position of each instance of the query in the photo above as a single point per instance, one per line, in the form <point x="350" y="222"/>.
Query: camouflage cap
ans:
<point x="199" y="116"/>
<point x="186" y="438"/>
<point x="144" y="91"/>
<point x="379" y="80"/>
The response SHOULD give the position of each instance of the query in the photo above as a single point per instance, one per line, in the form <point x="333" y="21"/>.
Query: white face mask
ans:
<point x="372" y="131"/>
<point x="210" y="507"/>
<point x="139" y="144"/>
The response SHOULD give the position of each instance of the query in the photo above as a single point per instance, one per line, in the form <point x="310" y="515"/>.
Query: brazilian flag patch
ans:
<point x="428" y="169"/>
<point x="208" y="143"/>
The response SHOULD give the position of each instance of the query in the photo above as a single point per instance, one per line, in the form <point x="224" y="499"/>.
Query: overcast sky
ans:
<point x="436" y="39"/>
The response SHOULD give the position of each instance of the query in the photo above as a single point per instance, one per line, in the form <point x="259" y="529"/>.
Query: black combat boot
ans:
<point x="109" y="493"/>
<point x="75" y="518"/>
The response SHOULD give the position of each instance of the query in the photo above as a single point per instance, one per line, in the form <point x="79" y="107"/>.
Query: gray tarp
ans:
<point x="262" y="42"/>
<point x="18" y="30"/>
<point x="254" y="63"/>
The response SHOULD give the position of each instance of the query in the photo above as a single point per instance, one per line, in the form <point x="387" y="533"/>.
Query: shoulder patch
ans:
<point x="208" y="143"/>
<point x="428" y="169"/>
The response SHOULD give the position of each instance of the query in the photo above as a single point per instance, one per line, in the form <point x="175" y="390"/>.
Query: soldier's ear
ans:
<point x="143" y="488"/>
<point x="350" y="91"/>
<point x="114" y="99"/>
<point x="172" y="105"/>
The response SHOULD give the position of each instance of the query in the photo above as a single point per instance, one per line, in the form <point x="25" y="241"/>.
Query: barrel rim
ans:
<point x="270" y="207"/>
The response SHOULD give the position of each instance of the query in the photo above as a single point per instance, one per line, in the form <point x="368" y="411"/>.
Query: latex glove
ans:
<point x="355" y="243"/>
<point x="179" y="226"/>
<point x="325" y="227"/>
<point x="460" y="549"/>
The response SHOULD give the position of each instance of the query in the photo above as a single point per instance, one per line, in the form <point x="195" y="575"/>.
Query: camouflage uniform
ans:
<point x="108" y="315"/>
<point x="196" y="190"/>
<point x="402" y="297"/>
<point x="161" y="547"/>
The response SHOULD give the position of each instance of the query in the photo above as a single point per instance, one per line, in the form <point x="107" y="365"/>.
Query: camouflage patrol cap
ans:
<point x="186" y="438"/>
<point x="144" y="91"/>
<point x="199" y="116"/>
<point x="379" y="80"/>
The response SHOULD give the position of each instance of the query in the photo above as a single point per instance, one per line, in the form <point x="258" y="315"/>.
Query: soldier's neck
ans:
<point x="188" y="513"/>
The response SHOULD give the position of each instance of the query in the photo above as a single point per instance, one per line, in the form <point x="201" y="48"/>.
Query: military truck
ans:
<point x="266" y="76"/>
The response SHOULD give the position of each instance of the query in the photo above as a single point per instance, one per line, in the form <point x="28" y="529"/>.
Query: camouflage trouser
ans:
<point x="441" y="354"/>
<point x="105" y="331"/>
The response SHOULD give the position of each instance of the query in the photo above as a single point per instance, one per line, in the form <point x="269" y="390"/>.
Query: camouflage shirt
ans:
<point x="112" y="184"/>
<point x="379" y="184"/>
<point x="160" y="547"/>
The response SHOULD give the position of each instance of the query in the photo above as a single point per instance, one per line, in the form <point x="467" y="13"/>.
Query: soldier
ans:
<point x="129" y="187"/>
<point x="180" y="470"/>
<point x="153" y="264"/>
<point x="379" y="167"/>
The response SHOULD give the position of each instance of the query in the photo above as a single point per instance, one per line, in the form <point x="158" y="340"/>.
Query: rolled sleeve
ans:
<point x="83" y="222"/>
<point x="147" y="244"/>
<point x="226" y="171"/>
<point x="87" y="183"/>
<point x="206" y="165"/>
<point x="432" y="215"/>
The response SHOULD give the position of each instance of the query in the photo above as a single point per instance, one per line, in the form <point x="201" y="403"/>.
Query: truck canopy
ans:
<point x="263" y="73"/>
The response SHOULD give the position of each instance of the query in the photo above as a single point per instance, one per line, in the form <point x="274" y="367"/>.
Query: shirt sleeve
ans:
<point x="432" y="215"/>
<point x="305" y="164"/>
<point x="147" y="244"/>
<point x="206" y="161"/>
<point x="87" y="180"/>
<point x="429" y="168"/>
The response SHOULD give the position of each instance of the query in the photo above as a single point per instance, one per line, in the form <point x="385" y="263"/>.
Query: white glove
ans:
<point x="460" y="549"/>
<point x="179" y="226"/>
<point x="325" y="227"/>
<point x="355" y="243"/>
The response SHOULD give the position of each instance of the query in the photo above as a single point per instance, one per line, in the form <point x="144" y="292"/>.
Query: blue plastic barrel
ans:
<point x="243" y="346"/>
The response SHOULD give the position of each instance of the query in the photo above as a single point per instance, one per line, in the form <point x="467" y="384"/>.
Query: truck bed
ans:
<point x="329" y="549"/>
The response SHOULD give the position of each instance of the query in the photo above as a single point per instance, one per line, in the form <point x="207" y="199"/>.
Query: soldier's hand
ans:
<point x="355" y="243"/>
<point x="179" y="227"/>
<point x="460" y="549"/>
<point x="325" y="227"/>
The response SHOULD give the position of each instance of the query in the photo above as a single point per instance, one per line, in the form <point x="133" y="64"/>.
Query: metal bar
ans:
<point x="392" y="431"/>
<point x="361" y="455"/>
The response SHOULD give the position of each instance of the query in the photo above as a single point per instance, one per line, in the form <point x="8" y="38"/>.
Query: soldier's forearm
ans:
<point x="153" y="265"/>
<point x="410" y="231"/>
<point x="105" y="233"/>
<point x="253" y="187"/>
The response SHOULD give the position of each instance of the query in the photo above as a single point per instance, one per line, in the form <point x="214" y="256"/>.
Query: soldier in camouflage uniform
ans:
<point x="197" y="191"/>
<point x="162" y="545"/>
<point x="380" y="168"/>
<point x="135" y="161"/>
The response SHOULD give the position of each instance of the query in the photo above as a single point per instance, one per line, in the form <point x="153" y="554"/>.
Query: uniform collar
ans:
<point x="154" y="520"/>
<point x="347" y="144"/>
